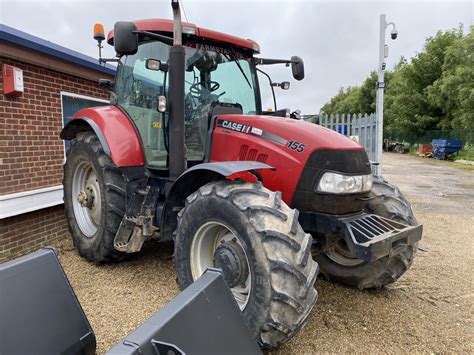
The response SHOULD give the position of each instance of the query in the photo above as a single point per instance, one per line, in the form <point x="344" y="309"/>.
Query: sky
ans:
<point x="338" y="40"/>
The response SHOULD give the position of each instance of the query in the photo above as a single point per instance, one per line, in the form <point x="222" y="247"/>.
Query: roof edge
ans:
<point x="26" y="40"/>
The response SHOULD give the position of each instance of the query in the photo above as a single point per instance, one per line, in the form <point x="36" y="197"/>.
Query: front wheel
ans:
<point x="94" y="198"/>
<point x="338" y="265"/>
<point x="255" y="238"/>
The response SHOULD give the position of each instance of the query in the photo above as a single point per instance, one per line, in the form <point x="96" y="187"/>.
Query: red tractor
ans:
<point x="185" y="153"/>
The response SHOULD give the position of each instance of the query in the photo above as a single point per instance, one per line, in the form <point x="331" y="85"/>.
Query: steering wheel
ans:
<point x="196" y="88"/>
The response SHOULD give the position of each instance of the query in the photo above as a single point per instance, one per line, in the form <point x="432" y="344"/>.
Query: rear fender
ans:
<point x="114" y="130"/>
<point x="192" y="179"/>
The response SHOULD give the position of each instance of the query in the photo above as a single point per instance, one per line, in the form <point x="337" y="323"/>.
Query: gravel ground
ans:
<point x="430" y="309"/>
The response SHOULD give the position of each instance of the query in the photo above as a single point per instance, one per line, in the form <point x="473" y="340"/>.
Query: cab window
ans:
<point x="137" y="89"/>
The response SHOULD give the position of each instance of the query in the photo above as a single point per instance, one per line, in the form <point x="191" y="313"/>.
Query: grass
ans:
<point x="467" y="153"/>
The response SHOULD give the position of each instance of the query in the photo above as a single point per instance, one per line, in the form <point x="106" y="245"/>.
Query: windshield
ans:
<point x="222" y="76"/>
<point x="213" y="75"/>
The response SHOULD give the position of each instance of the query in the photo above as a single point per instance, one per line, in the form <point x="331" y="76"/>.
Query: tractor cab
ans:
<point x="220" y="77"/>
<point x="214" y="77"/>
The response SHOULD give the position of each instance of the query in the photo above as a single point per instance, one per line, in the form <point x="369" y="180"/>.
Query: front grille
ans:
<point x="246" y="154"/>
<point x="243" y="152"/>
<point x="252" y="154"/>
<point x="262" y="158"/>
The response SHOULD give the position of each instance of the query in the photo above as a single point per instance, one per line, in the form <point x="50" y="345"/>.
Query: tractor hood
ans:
<point x="281" y="130"/>
<point x="283" y="143"/>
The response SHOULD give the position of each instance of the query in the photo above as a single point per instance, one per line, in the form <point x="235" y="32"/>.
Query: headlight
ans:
<point x="344" y="184"/>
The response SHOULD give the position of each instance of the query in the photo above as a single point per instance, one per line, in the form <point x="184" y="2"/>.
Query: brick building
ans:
<point x="56" y="83"/>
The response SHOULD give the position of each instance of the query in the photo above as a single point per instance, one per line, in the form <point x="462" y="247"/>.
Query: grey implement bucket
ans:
<point x="39" y="312"/>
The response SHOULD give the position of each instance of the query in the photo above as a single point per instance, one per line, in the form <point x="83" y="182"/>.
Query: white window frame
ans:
<point x="76" y="96"/>
<point x="33" y="200"/>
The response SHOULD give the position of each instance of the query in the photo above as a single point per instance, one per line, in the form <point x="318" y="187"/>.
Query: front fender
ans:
<point x="116" y="133"/>
<point x="227" y="168"/>
<point x="191" y="180"/>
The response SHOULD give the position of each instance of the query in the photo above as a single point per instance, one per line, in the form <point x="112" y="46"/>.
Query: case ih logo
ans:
<point x="234" y="126"/>
<point x="254" y="131"/>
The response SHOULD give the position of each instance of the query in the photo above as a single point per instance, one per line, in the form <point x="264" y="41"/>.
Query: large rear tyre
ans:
<point x="336" y="264"/>
<point x="255" y="238"/>
<point x="94" y="198"/>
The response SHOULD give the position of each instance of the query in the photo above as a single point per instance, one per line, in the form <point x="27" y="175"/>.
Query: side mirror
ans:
<point x="125" y="40"/>
<point x="297" y="67"/>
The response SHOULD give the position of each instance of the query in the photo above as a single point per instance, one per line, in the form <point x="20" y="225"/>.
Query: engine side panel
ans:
<point x="119" y="132"/>
<point x="283" y="143"/>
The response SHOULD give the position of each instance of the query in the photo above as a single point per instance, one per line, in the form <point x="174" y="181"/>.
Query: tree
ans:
<point x="453" y="92"/>
<point x="367" y="93"/>
<point x="435" y="89"/>
<point x="330" y="107"/>
<point x="409" y="109"/>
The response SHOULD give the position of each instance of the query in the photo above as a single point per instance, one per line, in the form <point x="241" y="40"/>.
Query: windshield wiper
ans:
<point x="236" y="61"/>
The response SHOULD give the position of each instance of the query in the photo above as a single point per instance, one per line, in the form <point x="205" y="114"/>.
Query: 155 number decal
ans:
<point x="296" y="146"/>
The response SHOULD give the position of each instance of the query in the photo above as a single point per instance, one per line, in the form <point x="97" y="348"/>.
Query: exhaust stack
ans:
<point x="177" y="158"/>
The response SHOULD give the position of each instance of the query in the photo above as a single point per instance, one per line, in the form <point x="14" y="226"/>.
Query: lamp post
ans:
<point x="383" y="53"/>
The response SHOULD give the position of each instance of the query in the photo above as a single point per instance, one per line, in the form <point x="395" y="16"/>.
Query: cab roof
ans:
<point x="191" y="30"/>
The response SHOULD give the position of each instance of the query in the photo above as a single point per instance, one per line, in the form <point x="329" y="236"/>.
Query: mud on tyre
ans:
<point x="280" y="272"/>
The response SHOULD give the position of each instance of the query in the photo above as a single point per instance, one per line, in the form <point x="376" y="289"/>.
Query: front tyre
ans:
<point x="255" y="238"/>
<point x="337" y="264"/>
<point x="94" y="198"/>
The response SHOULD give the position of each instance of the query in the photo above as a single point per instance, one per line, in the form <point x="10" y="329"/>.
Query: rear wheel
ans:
<point x="94" y="198"/>
<point x="337" y="264"/>
<point x="255" y="238"/>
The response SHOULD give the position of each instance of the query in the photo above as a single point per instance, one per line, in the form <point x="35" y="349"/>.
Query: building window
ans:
<point x="72" y="103"/>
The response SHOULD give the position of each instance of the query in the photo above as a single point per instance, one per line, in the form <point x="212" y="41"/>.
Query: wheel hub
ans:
<point x="86" y="194"/>
<point x="340" y="254"/>
<point x="230" y="258"/>
<point x="215" y="245"/>
<point x="83" y="199"/>
<point x="86" y="197"/>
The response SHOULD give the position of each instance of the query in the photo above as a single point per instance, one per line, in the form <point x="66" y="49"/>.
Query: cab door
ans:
<point x="137" y="90"/>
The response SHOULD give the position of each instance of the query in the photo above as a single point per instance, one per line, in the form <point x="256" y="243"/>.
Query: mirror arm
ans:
<point x="268" y="61"/>
<point x="161" y="38"/>
<point x="271" y="86"/>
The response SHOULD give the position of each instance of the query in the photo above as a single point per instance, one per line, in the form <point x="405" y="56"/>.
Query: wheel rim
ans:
<point x="86" y="199"/>
<point x="340" y="254"/>
<point x="205" y="243"/>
